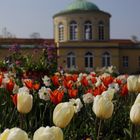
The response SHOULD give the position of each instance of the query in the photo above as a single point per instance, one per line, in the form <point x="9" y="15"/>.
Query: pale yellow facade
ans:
<point x="80" y="17"/>
<point x="122" y="53"/>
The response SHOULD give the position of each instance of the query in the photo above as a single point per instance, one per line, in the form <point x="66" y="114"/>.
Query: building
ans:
<point x="82" y="36"/>
<point x="27" y="46"/>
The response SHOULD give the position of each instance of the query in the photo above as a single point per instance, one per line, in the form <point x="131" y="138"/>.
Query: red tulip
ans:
<point x="10" y="85"/>
<point x="107" y="80"/>
<point x="28" y="83"/>
<point x="36" y="86"/>
<point x="72" y="93"/>
<point x="84" y="82"/>
<point x="98" y="90"/>
<point x="68" y="84"/>
<point x="124" y="90"/>
<point x="74" y="77"/>
<point x="14" y="99"/>
<point x="1" y="77"/>
<point x="55" y="80"/>
<point x="56" y="96"/>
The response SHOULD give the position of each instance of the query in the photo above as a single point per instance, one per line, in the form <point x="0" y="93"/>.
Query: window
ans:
<point x="101" y="30"/>
<point x="106" y="59"/>
<point x="73" y="30"/>
<point x="71" y="60"/>
<point x="88" y="60"/>
<point x="61" y="32"/>
<point x="88" y="30"/>
<point x="125" y="61"/>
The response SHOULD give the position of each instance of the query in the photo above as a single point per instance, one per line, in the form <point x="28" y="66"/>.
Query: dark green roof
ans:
<point x="81" y="5"/>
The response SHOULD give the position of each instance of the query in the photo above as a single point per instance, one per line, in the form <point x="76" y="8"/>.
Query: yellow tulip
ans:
<point x="135" y="114"/>
<point x="14" y="134"/>
<point x="24" y="102"/>
<point x="48" y="133"/>
<point x="63" y="114"/>
<point x="102" y="107"/>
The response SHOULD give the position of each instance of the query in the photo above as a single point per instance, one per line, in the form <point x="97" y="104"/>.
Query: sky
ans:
<point x="24" y="17"/>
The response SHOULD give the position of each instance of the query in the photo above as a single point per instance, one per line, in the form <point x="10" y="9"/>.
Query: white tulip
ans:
<point x="109" y="94"/>
<point x="77" y="104"/>
<point x="102" y="107"/>
<point x="46" y="81"/>
<point x="24" y="102"/>
<point x="48" y="133"/>
<point x="63" y="114"/>
<point x="133" y="83"/>
<point x="88" y="98"/>
<point x="14" y="134"/>
<point x="135" y="113"/>
<point x="5" y="134"/>
<point x="44" y="93"/>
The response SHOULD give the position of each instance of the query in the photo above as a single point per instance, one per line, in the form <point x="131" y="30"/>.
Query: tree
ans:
<point x="135" y="38"/>
<point x="35" y="35"/>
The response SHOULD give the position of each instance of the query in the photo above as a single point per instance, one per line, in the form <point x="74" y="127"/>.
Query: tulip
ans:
<point x="14" y="134"/>
<point x="88" y="98"/>
<point x="133" y="83"/>
<point x="10" y="85"/>
<point x="109" y="94"/>
<point x="56" y="96"/>
<point x="5" y="134"/>
<point x="135" y="113"/>
<point x="63" y="114"/>
<point x="28" y="83"/>
<point x="48" y="133"/>
<point x="24" y="102"/>
<point x="102" y="107"/>
<point x="77" y="104"/>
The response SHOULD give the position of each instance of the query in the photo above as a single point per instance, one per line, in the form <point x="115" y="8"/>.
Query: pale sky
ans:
<point x="23" y="17"/>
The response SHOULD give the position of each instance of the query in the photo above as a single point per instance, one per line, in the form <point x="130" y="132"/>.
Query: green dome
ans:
<point x="82" y="5"/>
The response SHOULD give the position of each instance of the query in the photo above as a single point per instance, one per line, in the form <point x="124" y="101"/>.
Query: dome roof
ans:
<point x="82" y="5"/>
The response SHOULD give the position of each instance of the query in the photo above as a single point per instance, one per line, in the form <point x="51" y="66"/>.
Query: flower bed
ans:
<point x="70" y="106"/>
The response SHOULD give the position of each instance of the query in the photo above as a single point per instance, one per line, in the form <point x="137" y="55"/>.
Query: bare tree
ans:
<point x="135" y="38"/>
<point x="35" y="35"/>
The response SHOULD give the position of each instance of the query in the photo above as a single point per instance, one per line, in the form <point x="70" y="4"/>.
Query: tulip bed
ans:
<point x="77" y="106"/>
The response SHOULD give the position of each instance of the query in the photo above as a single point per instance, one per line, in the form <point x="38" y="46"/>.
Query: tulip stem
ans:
<point x="99" y="129"/>
<point x="133" y="132"/>
<point x="45" y="109"/>
<point x="21" y="120"/>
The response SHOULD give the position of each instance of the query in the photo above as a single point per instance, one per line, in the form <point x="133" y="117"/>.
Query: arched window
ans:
<point x="106" y="59"/>
<point x="73" y="30"/>
<point x="61" y="32"/>
<point x="71" y="60"/>
<point x="88" y="30"/>
<point x="88" y="60"/>
<point x="101" y="30"/>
